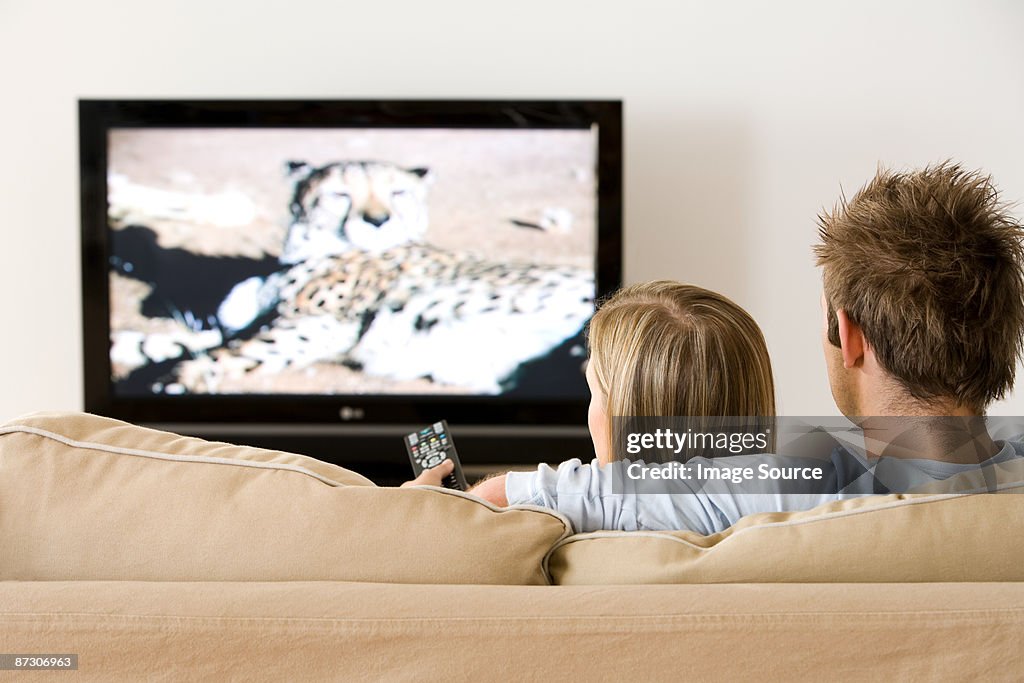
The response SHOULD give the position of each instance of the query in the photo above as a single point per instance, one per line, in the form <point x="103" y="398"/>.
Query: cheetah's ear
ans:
<point x="293" y="169"/>
<point x="421" y="172"/>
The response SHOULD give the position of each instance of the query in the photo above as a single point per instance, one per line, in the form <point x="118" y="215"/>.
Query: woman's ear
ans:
<point x="851" y="340"/>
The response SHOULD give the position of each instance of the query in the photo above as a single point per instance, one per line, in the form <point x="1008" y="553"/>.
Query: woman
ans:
<point x="657" y="349"/>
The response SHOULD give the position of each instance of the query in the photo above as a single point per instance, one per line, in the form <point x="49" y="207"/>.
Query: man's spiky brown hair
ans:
<point x="929" y="264"/>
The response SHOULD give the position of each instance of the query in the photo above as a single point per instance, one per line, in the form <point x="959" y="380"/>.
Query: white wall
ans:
<point x="742" y="121"/>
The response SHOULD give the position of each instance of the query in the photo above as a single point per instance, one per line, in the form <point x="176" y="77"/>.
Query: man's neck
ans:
<point x="902" y="426"/>
<point x="945" y="438"/>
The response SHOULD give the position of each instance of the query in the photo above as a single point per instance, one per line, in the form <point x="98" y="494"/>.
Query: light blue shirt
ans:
<point x="596" y="497"/>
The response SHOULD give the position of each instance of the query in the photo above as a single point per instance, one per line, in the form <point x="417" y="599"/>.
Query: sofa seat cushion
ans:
<point x="335" y="631"/>
<point x="89" y="498"/>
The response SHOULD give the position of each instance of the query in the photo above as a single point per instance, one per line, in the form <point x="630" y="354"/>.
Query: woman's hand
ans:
<point x="434" y="476"/>
<point x="491" y="489"/>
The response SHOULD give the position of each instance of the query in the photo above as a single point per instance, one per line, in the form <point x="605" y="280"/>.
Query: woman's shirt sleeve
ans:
<point x="596" y="497"/>
<point x="583" y="493"/>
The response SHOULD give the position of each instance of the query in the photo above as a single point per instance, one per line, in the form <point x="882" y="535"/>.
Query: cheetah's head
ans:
<point x="345" y="205"/>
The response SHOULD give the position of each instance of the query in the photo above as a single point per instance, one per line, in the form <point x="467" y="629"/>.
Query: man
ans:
<point x="922" y="328"/>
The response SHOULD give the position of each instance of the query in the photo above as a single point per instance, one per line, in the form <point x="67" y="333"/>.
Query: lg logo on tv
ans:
<point x="348" y="413"/>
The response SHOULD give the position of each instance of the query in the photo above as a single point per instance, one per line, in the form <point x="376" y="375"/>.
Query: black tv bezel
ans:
<point x="97" y="117"/>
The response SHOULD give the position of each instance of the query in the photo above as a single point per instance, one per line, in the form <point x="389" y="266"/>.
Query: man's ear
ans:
<point x="851" y="340"/>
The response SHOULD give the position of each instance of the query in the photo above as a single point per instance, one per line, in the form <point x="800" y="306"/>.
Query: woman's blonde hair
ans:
<point x="664" y="348"/>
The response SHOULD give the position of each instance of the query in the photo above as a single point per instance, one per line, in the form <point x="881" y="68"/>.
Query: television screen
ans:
<point x="358" y="252"/>
<point x="431" y="261"/>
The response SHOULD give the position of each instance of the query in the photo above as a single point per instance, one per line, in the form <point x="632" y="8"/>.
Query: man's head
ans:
<point x="923" y="294"/>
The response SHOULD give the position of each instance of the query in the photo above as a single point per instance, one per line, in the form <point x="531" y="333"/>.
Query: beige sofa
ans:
<point x="155" y="556"/>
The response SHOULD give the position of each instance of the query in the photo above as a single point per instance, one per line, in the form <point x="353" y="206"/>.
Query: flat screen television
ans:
<point x="324" y="276"/>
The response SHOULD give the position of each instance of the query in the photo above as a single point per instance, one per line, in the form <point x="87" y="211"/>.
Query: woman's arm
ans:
<point x="491" y="489"/>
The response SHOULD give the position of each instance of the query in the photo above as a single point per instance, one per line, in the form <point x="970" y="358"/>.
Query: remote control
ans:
<point x="429" y="447"/>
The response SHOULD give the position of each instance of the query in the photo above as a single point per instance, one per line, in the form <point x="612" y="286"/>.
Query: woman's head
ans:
<point x="664" y="348"/>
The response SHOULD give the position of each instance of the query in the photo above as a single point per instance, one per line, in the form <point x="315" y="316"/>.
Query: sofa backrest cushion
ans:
<point x="893" y="538"/>
<point x="89" y="498"/>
